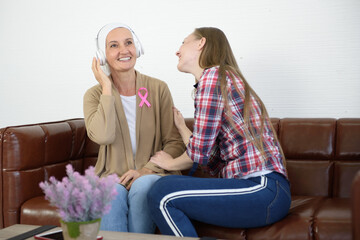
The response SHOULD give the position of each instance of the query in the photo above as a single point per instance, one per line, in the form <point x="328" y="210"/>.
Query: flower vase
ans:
<point x="80" y="230"/>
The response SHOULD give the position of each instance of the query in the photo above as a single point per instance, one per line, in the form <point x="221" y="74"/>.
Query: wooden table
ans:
<point x="17" y="229"/>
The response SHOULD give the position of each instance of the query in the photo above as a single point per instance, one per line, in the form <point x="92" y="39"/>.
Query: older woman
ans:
<point x="130" y="116"/>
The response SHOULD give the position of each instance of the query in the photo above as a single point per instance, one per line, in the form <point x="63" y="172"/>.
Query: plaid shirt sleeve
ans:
<point x="215" y="164"/>
<point x="208" y="112"/>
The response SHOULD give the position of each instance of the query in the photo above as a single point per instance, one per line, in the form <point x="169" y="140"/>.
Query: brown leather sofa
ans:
<point x="323" y="162"/>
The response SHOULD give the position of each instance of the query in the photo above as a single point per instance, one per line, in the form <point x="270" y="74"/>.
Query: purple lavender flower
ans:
<point x="81" y="198"/>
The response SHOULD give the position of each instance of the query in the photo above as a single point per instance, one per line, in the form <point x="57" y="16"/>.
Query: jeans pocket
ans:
<point x="286" y="188"/>
<point x="280" y="205"/>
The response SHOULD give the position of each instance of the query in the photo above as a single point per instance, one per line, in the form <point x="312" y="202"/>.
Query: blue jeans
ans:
<point x="235" y="203"/>
<point x="129" y="210"/>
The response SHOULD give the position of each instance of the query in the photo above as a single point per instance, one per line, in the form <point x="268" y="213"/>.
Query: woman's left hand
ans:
<point x="130" y="176"/>
<point x="163" y="160"/>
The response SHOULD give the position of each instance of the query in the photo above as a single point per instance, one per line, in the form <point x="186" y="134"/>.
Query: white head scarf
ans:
<point x="101" y="43"/>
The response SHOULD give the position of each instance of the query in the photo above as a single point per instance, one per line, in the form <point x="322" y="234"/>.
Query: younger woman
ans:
<point x="233" y="137"/>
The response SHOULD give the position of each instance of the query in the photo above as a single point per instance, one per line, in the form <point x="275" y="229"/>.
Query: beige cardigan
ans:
<point x="106" y="125"/>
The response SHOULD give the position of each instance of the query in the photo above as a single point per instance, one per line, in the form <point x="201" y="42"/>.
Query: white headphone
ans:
<point x="101" y="41"/>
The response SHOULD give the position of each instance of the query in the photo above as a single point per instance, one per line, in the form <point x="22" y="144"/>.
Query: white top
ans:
<point x="257" y="174"/>
<point x="129" y="105"/>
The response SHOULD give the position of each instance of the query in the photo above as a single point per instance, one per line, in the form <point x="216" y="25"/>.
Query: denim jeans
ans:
<point x="236" y="203"/>
<point x="129" y="210"/>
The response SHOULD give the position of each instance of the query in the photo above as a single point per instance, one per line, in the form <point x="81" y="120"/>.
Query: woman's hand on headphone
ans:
<point x="101" y="77"/>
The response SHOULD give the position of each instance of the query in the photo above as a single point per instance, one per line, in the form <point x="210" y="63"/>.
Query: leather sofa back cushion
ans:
<point x="348" y="139"/>
<point x="308" y="138"/>
<point x="344" y="174"/>
<point x="310" y="178"/>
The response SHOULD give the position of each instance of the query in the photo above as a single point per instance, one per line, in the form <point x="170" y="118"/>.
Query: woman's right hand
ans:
<point x="179" y="122"/>
<point x="178" y="119"/>
<point x="163" y="160"/>
<point x="101" y="77"/>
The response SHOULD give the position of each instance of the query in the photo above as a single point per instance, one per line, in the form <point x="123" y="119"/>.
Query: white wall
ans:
<point x="301" y="56"/>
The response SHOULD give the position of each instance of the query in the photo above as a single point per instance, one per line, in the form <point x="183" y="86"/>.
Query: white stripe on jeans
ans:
<point x="204" y="193"/>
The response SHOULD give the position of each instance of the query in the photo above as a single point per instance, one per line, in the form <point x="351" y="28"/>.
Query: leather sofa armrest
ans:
<point x="355" y="200"/>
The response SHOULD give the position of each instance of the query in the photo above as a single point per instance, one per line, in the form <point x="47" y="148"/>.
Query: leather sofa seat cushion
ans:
<point x="355" y="199"/>
<point x="296" y="224"/>
<point x="218" y="232"/>
<point x="333" y="219"/>
<point x="35" y="210"/>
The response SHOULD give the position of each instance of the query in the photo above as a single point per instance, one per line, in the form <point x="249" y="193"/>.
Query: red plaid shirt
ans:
<point x="216" y="144"/>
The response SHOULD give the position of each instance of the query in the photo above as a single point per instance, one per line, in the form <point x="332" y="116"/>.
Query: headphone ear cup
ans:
<point x="138" y="54"/>
<point x="139" y="49"/>
<point x="101" y="56"/>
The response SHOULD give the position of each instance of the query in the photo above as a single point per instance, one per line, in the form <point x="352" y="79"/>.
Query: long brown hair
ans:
<point x="217" y="52"/>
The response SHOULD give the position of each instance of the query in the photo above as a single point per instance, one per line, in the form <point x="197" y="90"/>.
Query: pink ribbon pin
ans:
<point x="143" y="97"/>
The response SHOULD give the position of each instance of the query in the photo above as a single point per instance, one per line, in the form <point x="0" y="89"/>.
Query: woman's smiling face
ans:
<point x="188" y="54"/>
<point x="120" y="50"/>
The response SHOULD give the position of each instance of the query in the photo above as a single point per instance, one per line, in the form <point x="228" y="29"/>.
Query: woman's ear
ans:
<point x="202" y="43"/>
